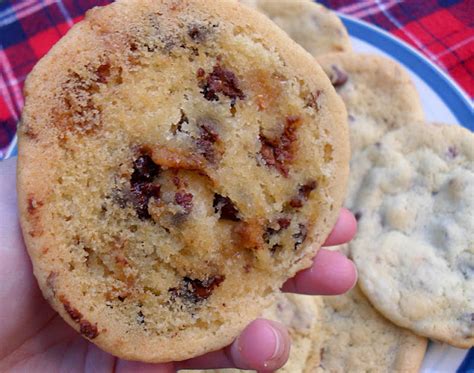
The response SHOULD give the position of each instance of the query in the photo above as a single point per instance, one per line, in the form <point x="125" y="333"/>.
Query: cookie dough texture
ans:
<point x="354" y="337"/>
<point x="178" y="160"/>
<point x="415" y="249"/>
<point x="314" y="27"/>
<point x="378" y="93"/>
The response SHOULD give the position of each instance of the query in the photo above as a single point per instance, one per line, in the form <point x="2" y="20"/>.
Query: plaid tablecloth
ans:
<point x="443" y="30"/>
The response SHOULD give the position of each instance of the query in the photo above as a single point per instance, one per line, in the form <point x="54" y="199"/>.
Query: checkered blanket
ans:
<point x="442" y="30"/>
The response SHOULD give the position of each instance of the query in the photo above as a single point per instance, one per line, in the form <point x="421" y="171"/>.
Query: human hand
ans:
<point x="33" y="337"/>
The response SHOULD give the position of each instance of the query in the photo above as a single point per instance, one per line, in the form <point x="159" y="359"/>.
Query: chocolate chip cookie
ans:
<point x="314" y="27"/>
<point x="178" y="161"/>
<point x="415" y="250"/>
<point x="379" y="94"/>
<point x="354" y="337"/>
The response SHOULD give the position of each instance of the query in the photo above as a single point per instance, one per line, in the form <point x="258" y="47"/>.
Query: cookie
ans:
<point x="353" y="337"/>
<point x="311" y="25"/>
<point x="378" y="93"/>
<point x="414" y="249"/>
<point x="178" y="161"/>
<point x="298" y="314"/>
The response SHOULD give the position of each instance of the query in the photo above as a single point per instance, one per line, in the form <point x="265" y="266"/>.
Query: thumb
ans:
<point x="264" y="345"/>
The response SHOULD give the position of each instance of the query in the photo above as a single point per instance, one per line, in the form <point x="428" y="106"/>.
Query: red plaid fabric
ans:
<point x="442" y="30"/>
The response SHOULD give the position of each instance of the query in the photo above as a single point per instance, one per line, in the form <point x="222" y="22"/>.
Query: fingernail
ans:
<point x="280" y="346"/>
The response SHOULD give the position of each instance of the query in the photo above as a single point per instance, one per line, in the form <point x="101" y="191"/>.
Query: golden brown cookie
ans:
<point x="314" y="27"/>
<point x="178" y="161"/>
<point x="354" y="337"/>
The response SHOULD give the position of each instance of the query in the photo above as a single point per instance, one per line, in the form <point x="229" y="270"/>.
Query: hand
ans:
<point x="34" y="338"/>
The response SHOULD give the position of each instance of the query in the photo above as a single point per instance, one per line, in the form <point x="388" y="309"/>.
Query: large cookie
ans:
<point x="353" y="337"/>
<point x="315" y="28"/>
<point x="378" y="93"/>
<point x="415" y="247"/>
<point x="178" y="161"/>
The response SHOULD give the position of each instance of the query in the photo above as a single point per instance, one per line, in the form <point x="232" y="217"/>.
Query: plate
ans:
<point x="442" y="101"/>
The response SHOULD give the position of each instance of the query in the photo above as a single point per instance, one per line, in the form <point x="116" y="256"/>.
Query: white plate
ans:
<point x="443" y="101"/>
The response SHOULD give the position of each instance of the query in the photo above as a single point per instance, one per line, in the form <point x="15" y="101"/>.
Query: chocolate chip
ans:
<point x="303" y="194"/>
<point x="225" y="208"/>
<point x="220" y="80"/>
<point x="141" y="195"/>
<point x="208" y="136"/>
<point x="140" y="318"/>
<point x="278" y="153"/>
<point x="358" y="215"/>
<point x="453" y="151"/>
<point x="301" y="235"/>
<point x="88" y="330"/>
<point x="195" y="290"/>
<point x="185" y="200"/>
<point x="338" y="76"/>
<point x="198" y="33"/>
<point x="144" y="170"/>
<point x="142" y="189"/>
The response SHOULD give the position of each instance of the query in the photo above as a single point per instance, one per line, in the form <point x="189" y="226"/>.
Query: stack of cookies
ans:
<point x="411" y="190"/>
<point x="180" y="160"/>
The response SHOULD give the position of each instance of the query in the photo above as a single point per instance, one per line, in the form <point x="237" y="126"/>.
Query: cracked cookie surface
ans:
<point x="178" y="161"/>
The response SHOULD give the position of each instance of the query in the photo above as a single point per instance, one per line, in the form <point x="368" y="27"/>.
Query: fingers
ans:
<point x="264" y="345"/>
<point x="331" y="273"/>
<point x="344" y="230"/>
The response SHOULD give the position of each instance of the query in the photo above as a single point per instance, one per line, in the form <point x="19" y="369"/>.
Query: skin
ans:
<point x="34" y="338"/>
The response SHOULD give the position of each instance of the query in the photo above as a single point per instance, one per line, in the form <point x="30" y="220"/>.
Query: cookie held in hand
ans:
<point x="178" y="161"/>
